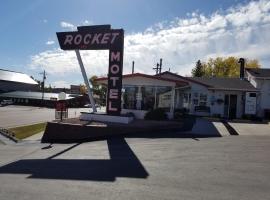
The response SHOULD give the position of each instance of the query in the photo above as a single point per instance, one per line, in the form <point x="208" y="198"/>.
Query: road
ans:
<point x="12" y="116"/>
<point x="231" y="167"/>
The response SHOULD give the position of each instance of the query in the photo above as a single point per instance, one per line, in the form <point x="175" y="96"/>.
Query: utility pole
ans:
<point x="43" y="85"/>
<point x="156" y="68"/>
<point x="160" y="65"/>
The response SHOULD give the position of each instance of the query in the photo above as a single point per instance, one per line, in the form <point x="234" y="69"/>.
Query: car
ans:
<point x="90" y="106"/>
<point x="6" y="102"/>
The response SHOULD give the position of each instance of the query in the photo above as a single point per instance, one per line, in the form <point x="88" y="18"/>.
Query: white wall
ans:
<point x="216" y="108"/>
<point x="263" y="100"/>
<point x="196" y="88"/>
<point x="219" y="108"/>
<point x="264" y="96"/>
<point x="139" y="114"/>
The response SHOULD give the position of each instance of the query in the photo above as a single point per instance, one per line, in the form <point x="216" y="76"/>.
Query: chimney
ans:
<point x="133" y="67"/>
<point x="242" y="68"/>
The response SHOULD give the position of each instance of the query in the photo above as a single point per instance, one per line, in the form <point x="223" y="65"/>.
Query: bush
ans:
<point x="180" y="113"/>
<point x="156" y="114"/>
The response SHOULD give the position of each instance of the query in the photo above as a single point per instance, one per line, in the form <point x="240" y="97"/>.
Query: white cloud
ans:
<point x="50" y="42"/>
<point x="240" y="31"/>
<point x="61" y="63"/>
<point x="87" y="22"/>
<point x="45" y="21"/>
<point x="67" y="25"/>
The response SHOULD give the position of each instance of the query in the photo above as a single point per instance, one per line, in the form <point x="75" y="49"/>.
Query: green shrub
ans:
<point x="156" y="114"/>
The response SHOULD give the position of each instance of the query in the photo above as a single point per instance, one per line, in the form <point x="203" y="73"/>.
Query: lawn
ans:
<point x="26" y="131"/>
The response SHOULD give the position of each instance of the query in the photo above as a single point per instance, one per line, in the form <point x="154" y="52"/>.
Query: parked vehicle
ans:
<point x="6" y="102"/>
<point x="90" y="106"/>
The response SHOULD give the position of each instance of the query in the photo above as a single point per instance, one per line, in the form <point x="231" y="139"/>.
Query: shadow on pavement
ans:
<point x="122" y="163"/>
<point x="230" y="129"/>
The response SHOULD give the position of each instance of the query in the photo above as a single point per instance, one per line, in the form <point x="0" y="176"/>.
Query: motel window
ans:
<point x="129" y="97"/>
<point x="163" y="97"/>
<point x="195" y="102"/>
<point x="147" y="97"/>
<point x="195" y="99"/>
<point x="186" y="99"/>
<point x="199" y="99"/>
<point x="203" y="99"/>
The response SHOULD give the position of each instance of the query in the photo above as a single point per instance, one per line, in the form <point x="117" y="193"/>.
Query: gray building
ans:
<point x="16" y="81"/>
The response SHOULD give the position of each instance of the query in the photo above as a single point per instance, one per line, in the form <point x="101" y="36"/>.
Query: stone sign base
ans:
<point x="102" y="117"/>
<point x="76" y="130"/>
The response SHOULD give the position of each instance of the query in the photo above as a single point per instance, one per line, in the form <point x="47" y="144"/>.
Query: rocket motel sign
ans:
<point x="101" y="37"/>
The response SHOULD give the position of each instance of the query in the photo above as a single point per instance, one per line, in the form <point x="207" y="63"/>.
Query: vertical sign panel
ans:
<point x="115" y="74"/>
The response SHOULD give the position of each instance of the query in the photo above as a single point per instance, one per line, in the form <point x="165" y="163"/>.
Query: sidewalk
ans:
<point x="36" y="137"/>
<point x="5" y="140"/>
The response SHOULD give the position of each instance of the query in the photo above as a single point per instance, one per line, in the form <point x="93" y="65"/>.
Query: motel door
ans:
<point x="230" y="106"/>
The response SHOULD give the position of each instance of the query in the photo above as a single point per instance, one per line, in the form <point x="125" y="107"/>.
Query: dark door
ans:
<point x="226" y="106"/>
<point x="230" y="106"/>
<point x="233" y="106"/>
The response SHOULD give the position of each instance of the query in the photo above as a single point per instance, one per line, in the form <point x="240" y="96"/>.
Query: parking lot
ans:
<point x="228" y="166"/>
<point x="12" y="115"/>
<point x="233" y="167"/>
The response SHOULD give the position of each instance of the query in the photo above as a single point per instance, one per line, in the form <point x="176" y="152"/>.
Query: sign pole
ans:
<point x="86" y="81"/>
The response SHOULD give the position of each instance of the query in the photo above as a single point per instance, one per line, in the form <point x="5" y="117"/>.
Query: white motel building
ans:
<point x="203" y="96"/>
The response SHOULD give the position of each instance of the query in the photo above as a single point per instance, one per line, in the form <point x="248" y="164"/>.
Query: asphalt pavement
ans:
<point x="233" y="167"/>
<point x="12" y="115"/>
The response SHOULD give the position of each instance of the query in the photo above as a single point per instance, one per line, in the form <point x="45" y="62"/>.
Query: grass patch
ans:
<point x="27" y="131"/>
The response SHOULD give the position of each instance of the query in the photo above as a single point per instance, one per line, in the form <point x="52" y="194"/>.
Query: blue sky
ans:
<point x="180" y="32"/>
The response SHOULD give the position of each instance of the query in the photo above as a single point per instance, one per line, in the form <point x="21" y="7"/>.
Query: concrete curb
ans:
<point x="8" y="134"/>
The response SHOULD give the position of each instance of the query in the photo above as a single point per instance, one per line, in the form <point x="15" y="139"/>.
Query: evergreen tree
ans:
<point x="198" y="71"/>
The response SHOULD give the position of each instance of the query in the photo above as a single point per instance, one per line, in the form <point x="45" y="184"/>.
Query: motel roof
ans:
<point x="259" y="73"/>
<point x="216" y="83"/>
<point x="219" y="83"/>
<point x="175" y="76"/>
<point x="177" y="82"/>
<point x="6" y="75"/>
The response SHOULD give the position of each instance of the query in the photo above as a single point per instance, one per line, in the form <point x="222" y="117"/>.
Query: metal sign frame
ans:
<point x="99" y="37"/>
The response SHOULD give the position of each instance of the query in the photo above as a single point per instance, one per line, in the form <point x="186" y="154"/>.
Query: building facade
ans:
<point x="203" y="96"/>
<point x="260" y="79"/>
<point x="12" y="81"/>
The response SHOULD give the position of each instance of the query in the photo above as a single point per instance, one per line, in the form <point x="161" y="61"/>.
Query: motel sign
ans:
<point x="101" y="37"/>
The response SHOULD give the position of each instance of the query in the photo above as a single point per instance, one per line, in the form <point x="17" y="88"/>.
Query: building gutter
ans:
<point x="233" y="89"/>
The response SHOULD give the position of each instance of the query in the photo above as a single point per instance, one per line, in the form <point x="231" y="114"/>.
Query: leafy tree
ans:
<point x="99" y="90"/>
<point x="198" y="71"/>
<point x="225" y="67"/>
<point x="83" y="89"/>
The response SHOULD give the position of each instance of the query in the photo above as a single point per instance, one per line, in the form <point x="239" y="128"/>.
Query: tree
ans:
<point x="198" y="71"/>
<point x="99" y="90"/>
<point x="83" y="89"/>
<point x="225" y="67"/>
